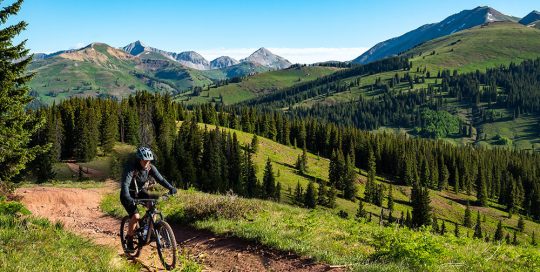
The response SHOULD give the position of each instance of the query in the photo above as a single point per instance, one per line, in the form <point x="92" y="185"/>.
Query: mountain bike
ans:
<point x="151" y="228"/>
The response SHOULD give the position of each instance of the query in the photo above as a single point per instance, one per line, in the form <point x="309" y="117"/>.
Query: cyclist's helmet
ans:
<point x="144" y="153"/>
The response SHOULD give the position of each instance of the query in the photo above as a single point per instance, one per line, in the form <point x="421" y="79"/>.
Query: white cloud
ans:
<point x="294" y="55"/>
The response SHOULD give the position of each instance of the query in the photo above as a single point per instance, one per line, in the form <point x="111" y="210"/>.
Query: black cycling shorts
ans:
<point x="130" y="207"/>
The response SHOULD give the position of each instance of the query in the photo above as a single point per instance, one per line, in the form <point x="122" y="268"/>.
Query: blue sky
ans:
<point x="301" y="30"/>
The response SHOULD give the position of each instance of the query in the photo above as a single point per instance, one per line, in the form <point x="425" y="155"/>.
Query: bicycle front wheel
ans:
<point x="166" y="244"/>
<point x="136" y="241"/>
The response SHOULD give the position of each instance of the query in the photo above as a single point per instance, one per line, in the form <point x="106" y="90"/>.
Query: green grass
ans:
<point x="479" y="48"/>
<point x="326" y="237"/>
<point x="34" y="244"/>
<point x="258" y="84"/>
<point x="446" y="204"/>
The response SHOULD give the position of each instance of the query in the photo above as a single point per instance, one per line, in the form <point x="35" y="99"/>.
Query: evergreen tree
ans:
<point x="521" y="224"/>
<point x="443" y="181"/>
<point x="250" y="177"/>
<point x="456" y="230"/>
<point x="435" y="225"/>
<point x="254" y="143"/>
<point x="508" y="239"/>
<point x="533" y="239"/>
<point x="481" y="188"/>
<point x="499" y="234"/>
<point x="514" y="239"/>
<point x="467" y="220"/>
<point x="456" y="181"/>
<point x="349" y="179"/>
<point x="269" y="181"/>
<point x="332" y="193"/>
<point x="360" y="212"/>
<point x="322" y="194"/>
<point x="443" y="228"/>
<point x="277" y="195"/>
<point x="310" y="198"/>
<point x="421" y="213"/>
<point x="478" y="227"/>
<point x="298" y="194"/>
<point x="408" y="219"/>
<point x="16" y="124"/>
<point x="390" y="198"/>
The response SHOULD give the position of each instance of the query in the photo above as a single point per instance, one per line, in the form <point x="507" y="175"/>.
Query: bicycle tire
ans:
<point x="136" y="241"/>
<point x="166" y="244"/>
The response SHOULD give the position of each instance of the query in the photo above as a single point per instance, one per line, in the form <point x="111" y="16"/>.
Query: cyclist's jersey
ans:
<point x="135" y="179"/>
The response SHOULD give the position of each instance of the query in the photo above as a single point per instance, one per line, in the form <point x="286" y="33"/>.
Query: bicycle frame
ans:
<point x="152" y="217"/>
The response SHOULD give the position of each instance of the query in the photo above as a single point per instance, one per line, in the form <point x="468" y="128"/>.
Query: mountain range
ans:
<point x="463" y="20"/>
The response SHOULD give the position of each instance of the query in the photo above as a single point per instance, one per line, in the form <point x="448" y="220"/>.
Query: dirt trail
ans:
<point x="86" y="171"/>
<point x="79" y="210"/>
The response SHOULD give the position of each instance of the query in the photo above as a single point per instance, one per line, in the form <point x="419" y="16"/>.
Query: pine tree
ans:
<point x="435" y="225"/>
<point x="467" y="220"/>
<point x="310" y="198"/>
<point x="478" y="227"/>
<point x="349" y="179"/>
<point x="514" y="239"/>
<point x="521" y="224"/>
<point x="252" y="185"/>
<point x="421" y="213"/>
<point x="269" y="181"/>
<point x="254" y="143"/>
<point x="16" y="124"/>
<point x="361" y="212"/>
<point x="390" y="198"/>
<point x="443" y="228"/>
<point x="277" y="195"/>
<point x="298" y="194"/>
<point x="533" y="239"/>
<point x="443" y="181"/>
<point x="456" y="181"/>
<point x="332" y="193"/>
<point x="499" y="234"/>
<point x="456" y="230"/>
<point x="322" y="194"/>
<point x="508" y="239"/>
<point x="408" y="219"/>
<point x="481" y="188"/>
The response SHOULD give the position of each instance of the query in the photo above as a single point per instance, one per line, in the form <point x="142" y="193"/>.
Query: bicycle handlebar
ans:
<point x="144" y="200"/>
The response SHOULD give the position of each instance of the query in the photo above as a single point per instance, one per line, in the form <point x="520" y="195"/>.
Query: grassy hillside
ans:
<point x="34" y="244"/>
<point x="479" y="48"/>
<point x="355" y="244"/>
<point x="101" y="70"/>
<point x="257" y="85"/>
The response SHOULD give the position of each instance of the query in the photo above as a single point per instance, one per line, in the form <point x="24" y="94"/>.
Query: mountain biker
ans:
<point x="134" y="183"/>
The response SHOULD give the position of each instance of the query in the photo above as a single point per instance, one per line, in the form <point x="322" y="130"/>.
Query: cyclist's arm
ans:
<point x="126" y="181"/>
<point x="159" y="178"/>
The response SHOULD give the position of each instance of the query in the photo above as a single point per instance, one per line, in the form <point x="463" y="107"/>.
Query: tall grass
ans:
<point x="326" y="237"/>
<point x="35" y="244"/>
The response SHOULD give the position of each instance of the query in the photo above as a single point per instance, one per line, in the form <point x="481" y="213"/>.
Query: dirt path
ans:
<point x="86" y="171"/>
<point x="79" y="210"/>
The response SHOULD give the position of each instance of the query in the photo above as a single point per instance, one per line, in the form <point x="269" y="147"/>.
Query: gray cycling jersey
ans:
<point x="135" y="178"/>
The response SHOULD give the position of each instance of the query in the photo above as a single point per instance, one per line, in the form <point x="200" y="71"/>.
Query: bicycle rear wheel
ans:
<point x="166" y="244"/>
<point x="137" y="244"/>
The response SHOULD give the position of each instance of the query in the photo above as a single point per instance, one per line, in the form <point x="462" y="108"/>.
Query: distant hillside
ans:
<point x="479" y="48"/>
<point x="463" y="20"/>
<point x="257" y="85"/>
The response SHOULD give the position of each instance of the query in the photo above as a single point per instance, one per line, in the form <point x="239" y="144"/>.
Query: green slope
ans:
<point x="257" y="85"/>
<point x="101" y="70"/>
<point x="479" y="48"/>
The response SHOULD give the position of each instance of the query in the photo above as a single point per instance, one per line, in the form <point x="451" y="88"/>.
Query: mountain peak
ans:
<point x="193" y="60"/>
<point x="135" y="48"/>
<point x="266" y="58"/>
<point x="530" y="18"/>
<point x="222" y="62"/>
<point x="460" y="21"/>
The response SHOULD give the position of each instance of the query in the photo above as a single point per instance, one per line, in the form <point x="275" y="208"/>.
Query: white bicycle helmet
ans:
<point x="145" y="153"/>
